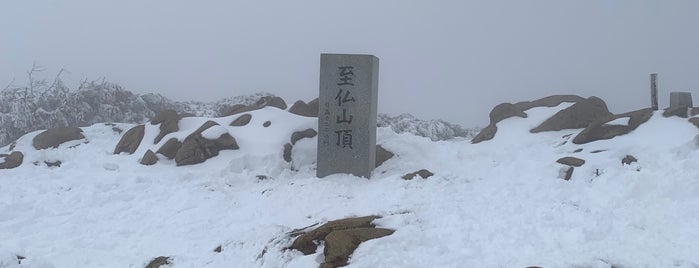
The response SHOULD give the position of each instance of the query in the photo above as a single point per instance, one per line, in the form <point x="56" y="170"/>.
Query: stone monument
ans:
<point x="654" y="91"/>
<point x="347" y="114"/>
<point x="678" y="99"/>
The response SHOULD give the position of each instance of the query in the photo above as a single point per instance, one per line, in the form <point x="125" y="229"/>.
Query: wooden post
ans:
<point x="654" y="91"/>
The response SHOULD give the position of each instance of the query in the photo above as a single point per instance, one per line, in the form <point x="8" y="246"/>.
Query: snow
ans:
<point x="623" y="121"/>
<point x="498" y="203"/>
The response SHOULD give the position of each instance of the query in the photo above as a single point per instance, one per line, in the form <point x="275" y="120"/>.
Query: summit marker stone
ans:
<point x="347" y="114"/>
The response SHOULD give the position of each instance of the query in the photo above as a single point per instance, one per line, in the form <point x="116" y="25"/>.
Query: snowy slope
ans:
<point x="498" y="203"/>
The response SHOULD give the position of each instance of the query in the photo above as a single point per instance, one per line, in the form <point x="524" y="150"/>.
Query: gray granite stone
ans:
<point x="347" y="114"/>
<point x="678" y="99"/>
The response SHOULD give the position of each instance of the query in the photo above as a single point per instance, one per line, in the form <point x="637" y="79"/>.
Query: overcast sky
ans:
<point x="452" y="60"/>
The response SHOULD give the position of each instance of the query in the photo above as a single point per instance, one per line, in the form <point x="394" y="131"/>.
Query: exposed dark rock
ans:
<point x="694" y="111"/>
<point x="681" y="111"/>
<point x="159" y="261"/>
<point x="303" y="109"/>
<point x="628" y="159"/>
<point x="339" y="245"/>
<point x="305" y="242"/>
<point x="550" y="101"/>
<point x="487" y="133"/>
<point x="218" y="249"/>
<point x="599" y="130"/>
<point x="183" y="115"/>
<point x="12" y="160"/>
<point x="578" y="150"/>
<point x="241" y="120"/>
<point x="287" y="152"/>
<point x="505" y="110"/>
<point x="131" y="140"/>
<point x="693" y="120"/>
<point x="578" y="115"/>
<point x="571" y="161"/>
<point x="382" y="155"/>
<point x="597" y="151"/>
<point x="423" y="173"/>
<point x="196" y="149"/>
<point x="261" y="103"/>
<point x="149" y="158"/>
<point x="266" y="124"/>
<point x="168" y="120"/>
<point x="53" y="137"/>
<point x="568" y="173"/>
<point x="308" y="133"/>
<point x="170" y="148"/>
<point x="56" y="163"/>
<point x="117" y="130"/>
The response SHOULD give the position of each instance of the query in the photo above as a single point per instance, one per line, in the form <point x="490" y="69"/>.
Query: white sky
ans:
<point x="452" y="60"/>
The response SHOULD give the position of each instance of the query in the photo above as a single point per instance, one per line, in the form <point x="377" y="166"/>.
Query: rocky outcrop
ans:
<point x="241" y="120"/>
<point x="149" y="158"/>
<point x="287" y="152"/>
<point x="158" y="262"/>
<point x="168" y="120"/>
<point x="306" y="243"/>
<point x="170" y="148"/>
<point x="694" y="121"/>
<point x="423" y="173"/>
<point x="600" y="130"/>
<point x="131" y="140"/>
<point x="505" y="110"/>
<point x="550" y="101"/>
<point x="578" y="115"/>
<point x="567" y="173"/>
<point x="303" y="109"/>
<point x="571" y="161"/>
<point x="53" y="137"/>
<point x="271" y="101"/>
<point x="197" y="149"/>
<point x="339" y="245"/>
<point x="486" y="134"/>
<point x="298" y="135"/>
<point x="681" y="111"/>
<point x="382" y="155"/>
<point x="628" y="159"/>
<point x="12" y="160"/>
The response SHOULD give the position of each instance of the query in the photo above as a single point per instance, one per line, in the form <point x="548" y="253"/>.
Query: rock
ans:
<point x="56" y="163"/>
<point x="170" y="148"/>
<point x="694" y="121"/>
<point x="305" y="242"/>
<point x="568" y="173"/>
<point x="287" y="152"/>
<point x="53" y="137"/>
<point x="303" y="109"/>
<point x="159" y="261"/>
<point x="131" y="140"/>
<point x="339" y="245"/>
<point x="218" y="249"/>
<point x="550" y="101"/>
<point x="261" y="103"/>
<point x="681" y="111"/>
<point x="117" y="130"/>
<point x="12" y="160"/>
<point x="628" y="159"/>
<point x="599" y="130"/>
<point x="308" y="133"/>
<point x="487" y="133"/>
<point x="241" y="120"/>
<point x="266" y="124"/>
<point x="579" y="115"/>
<point x="571" y="161"/>
<point x="578" y="150"/>
<point x="505" y="110"/>
<point x="382" y="155"/>
<point x="424" y="173"/>
<point x="196" y="149"/>
<point x="169" y="123"/>
<point x="149" y="158"/>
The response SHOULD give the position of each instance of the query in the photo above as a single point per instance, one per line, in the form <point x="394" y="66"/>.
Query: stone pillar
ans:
<point x="654" y="91"/>
<point x="347" y="114"/>
<point x="678" y="99"/>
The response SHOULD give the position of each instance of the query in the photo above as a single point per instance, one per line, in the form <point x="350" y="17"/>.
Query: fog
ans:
<point x="452" y="60"/>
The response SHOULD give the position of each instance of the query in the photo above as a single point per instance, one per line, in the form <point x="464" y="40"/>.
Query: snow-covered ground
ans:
<point x="499" y="203"/>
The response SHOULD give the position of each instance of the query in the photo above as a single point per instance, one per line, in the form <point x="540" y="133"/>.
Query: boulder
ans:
<point x="308" y="133"/>
<point x="56" y="163"/>
<point x="53" y="137"/>
<point x="131" y="140"/>
<point x="169" y="123"/>
<point x="287" y="152"/>
<point x="158" y="262"/>
<point x="681" y="111"/>
<point x="571" y="161"/>
<point x="628" y="159"/>
<point x="12" y="160"/>
<point x="261" y="103"/>
<point x="266" y="124"/>
<point x="382" y="155"/>
<point x="339" y="245"/>
<point x="487" y="133"/>
<point x="568" y="173"/>
<point x="170" y="148"/>
<point x="578" y="115"/>
<point x="241" y="120"/>
<point x="423" y="173"/>
<point x="305" y="242"/>
<point x="149" y="158"/>
<point x="303" y="109"/>
<point x="197" y="149"/>
<point x="550" y="101"/>
<point x="599" y="130"/>
<point x="694" y="121"/>
<point x="503" y="111"/>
